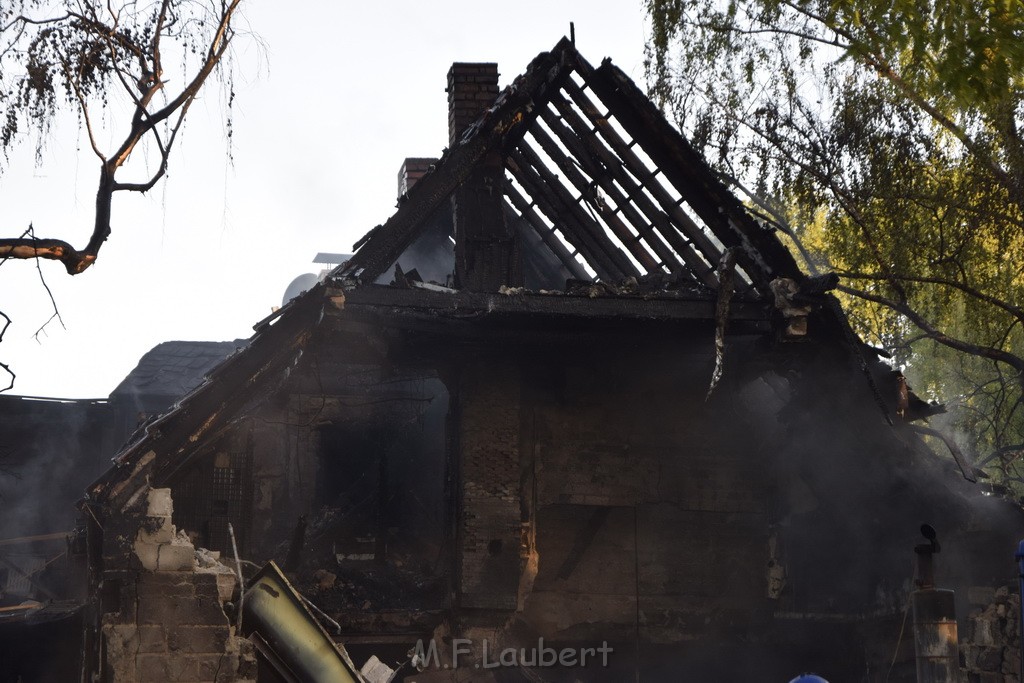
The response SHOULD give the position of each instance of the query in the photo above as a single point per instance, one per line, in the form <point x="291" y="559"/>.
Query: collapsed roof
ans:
<point x="604" y="183"/>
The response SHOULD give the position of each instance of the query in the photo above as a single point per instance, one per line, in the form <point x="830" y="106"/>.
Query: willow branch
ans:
<point x="84" y="107"/>
<point x="1016" y="311"/>
<point x="875" y="61"/>
<point x="999" y="452"/>
<point x="935" y="334"/>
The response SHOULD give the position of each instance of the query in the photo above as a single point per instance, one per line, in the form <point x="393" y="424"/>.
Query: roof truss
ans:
<point x="608" y="185"/>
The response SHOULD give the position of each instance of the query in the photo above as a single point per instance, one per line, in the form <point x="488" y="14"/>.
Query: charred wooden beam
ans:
<point x="627" y="238"/>
<point x="607" y="171"/>
<point x="546" y="234"/>
<point x="564" y="209"/>
<point x="694" y="234"/>
<point x="472" y="306"/>
<point x="761" y="255"/>
<point x="500" y="126"/>
<point x="680" y="240"/>
<point x="577" y="235"/>
<point x="232" y="388"/>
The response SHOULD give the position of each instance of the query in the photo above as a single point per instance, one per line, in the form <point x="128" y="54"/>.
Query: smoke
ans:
<point x="52" y="450"/>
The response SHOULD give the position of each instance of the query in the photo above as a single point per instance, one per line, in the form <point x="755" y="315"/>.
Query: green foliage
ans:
<point x="887" y="133"/>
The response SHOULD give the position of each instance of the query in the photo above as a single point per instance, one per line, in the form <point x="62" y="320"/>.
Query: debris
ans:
<point x="786" y="293"/>
<point x="726" y="284"/>
<point x="294" y="557"/>
<point x="376" y="671"/>
<point x="208" y="562"/>
<point x="432" y="287"/>
<point x="287" y="634"/>
<point x="324" y="579"/>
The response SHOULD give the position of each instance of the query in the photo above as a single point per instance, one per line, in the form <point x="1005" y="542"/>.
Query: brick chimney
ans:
<point x="486" y="250"/>
<point x="411" y="171"/>
<point x="472" y="88"/>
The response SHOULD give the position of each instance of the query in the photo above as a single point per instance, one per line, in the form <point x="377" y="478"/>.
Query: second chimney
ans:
<point x="412" y="170"/>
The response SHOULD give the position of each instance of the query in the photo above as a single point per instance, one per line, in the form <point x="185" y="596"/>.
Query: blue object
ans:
<point x="1020" y="565"/>
<point x="811" y="678"/>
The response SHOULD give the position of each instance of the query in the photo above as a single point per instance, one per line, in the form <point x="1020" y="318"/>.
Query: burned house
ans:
<point x="571" y="392"/>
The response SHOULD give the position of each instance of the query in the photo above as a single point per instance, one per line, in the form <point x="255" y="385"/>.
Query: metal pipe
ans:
<point x="241" y="579"/>
<point x="287" y="634"/>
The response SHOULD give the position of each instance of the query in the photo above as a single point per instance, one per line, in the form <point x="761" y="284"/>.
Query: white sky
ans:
<point x="322" y="123"/>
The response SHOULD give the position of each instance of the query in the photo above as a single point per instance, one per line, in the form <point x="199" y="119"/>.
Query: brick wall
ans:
<point x="489" y="561"/>
<point x="411" y="171"/>
<point x="646" y="503"/>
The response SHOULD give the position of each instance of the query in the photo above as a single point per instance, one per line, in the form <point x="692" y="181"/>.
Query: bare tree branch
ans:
<point x="961" y="460"/>
<point x="4" y="366"/>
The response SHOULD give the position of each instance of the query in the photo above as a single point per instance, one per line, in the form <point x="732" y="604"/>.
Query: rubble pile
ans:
<point x="991" y="648"/>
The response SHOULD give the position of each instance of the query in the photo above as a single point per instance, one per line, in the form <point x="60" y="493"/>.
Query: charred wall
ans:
<point x="771" y="524"/>
<point x="648" y="503"/>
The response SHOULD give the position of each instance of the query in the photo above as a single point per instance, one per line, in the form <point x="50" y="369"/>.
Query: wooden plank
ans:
<point x="577" y="236"/>
<point x="522" y="205"/>
<point x="627" y="237"/>
<point x="761" y="255"/>
<point x="682" y="222"/>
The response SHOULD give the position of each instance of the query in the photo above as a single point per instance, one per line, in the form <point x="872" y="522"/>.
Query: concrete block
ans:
<point x="175" y="557"/>
<point x="216" y="667"/>
<point x="148" y="555"/>
<point x="984" y="631"/>
<point x="196" y="639"/>
<point x="225" y="586"/>
<point x="156" y="530"/>
<point x="157" y="609"/>
<point x="224" y="578"/>
<point x="152" y="639"/>
<point x="153" y="668"/>
<point x="160" y="503"/>
<point x="175" y="584"/>
<point x="181" y="668"/>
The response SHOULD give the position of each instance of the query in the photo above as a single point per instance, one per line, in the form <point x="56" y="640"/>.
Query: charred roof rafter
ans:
<point x="608" y="185"/>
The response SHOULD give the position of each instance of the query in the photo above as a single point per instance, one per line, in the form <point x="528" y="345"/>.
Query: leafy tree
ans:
<point x="884" y="137"/>
<point x="133" y="69"/>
